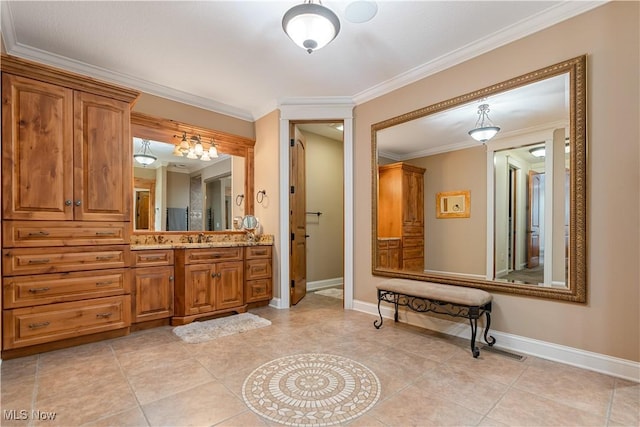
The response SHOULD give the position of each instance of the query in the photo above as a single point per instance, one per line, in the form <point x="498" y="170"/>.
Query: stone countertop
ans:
<point x="142" y="247"/>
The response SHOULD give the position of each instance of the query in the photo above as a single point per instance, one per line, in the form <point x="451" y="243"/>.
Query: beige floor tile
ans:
<point x="490" y="366"/>
<point x="462" y="387"/>
<point x="415" y="407"/>
<point x="202" y="405"/>
<point x="62" y="361"/>
<point x="625" y="407"/>
<point x="519" y="408"/>
<point x="154" y="384"/>
<point x="365" y="421"/>
<point x="154" y="357"/>
<point x="146" y="338"/>
<point x="79" y="382"/>
<point x="245" y="419"/>
<point x="578" y="388"/>
<point x="22" y="367"/>
<point x="130" y="418"/>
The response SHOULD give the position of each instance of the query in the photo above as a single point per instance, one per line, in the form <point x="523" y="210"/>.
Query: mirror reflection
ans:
<point x="495" y="213"/>
<point x="182" y="194"/>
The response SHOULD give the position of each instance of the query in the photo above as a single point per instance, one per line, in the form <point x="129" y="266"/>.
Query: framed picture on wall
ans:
<point x="453" y="204"/>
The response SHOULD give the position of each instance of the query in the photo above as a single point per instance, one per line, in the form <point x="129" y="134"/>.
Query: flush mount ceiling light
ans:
<point x="540" y="151"/>
<point x="193" y="148"/>
<point x="484" y="129"/>
<point x="145" y="157"/>
<point x="311" y="26"/>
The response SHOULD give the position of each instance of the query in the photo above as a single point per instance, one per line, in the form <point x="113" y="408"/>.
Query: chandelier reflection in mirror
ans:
<point x="193" y="148"/>
<point x="145" y="157"/>
<point x="484" y="129"/>
<point x="311" y="26"/>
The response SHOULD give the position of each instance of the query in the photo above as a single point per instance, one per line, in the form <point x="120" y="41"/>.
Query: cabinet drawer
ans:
<point x="37" y="325"/>
<point x="258" y="269"/>
<point x="412" y="241"/>
<point x="152" y="258"/>
<point x="413" y="252"/>
<point x="388" y="243"/>
<point x="206" y="256"/>
<point x="252" y="252"/>
<point x="63" y="233"/>
<point x="257" y="290"/>
<point x="24" y="291"/>
<point x="58" y="260"/>
<point x="413" y="230"/>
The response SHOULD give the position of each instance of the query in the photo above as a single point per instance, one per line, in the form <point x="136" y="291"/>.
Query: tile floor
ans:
<point x="151" y="378"/>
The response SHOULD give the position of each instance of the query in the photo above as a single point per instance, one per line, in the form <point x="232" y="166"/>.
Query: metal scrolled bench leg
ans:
<point x="442" y="299"/>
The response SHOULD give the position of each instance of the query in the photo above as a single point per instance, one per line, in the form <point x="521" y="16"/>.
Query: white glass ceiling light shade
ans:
<point x="145" y="157"/>
<point x="311" y="26"/>
<point x="194" y="149"/>
<point x="484" y="129"/>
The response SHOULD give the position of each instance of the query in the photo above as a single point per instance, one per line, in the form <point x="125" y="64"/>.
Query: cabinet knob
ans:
<point x="78" y="202"/>
<point x="170" y="277"/>
<point x="67" y="202"/>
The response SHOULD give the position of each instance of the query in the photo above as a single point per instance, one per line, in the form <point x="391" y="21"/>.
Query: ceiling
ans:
<point x="233" y="57"/>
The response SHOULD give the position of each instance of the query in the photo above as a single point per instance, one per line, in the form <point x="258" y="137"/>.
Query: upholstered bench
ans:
<point x="423" y="297"/>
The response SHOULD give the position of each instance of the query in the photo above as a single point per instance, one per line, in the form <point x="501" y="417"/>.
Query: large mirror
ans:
<point x="180" y="193"/>
<point x="504" y="214"/>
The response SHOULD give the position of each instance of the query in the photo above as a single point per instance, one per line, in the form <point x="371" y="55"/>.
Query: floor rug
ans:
<point x="197" y="332"/>
<point x="311" y="390"/>
<point x="331" y="292"/>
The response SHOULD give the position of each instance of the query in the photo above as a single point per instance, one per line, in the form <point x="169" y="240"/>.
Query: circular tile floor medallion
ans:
<point x="311" y="390"/>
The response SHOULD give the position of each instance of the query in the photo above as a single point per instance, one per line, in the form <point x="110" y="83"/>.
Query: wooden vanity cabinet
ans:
<point x="66" y="197"/>
<point x="258" y="274"/>
<point x="389" y="253"/>
<point x="153" y="278"/>
<point x="401" y="211"/>
<point x="212" y="282"/>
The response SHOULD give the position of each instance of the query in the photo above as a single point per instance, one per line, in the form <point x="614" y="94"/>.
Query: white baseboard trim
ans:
<point x="322" y="284"/>
<point x="597" y="362"/>
<point x="276" y="303"/>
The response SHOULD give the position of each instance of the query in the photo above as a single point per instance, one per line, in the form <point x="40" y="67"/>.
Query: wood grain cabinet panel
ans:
<point x="152" y="293"/>
<point x="37" y="150"/>
<point x="401" y="212"/>
<point x="27" y="234"/>
<point x="258" y="274"/>
<point x="24" y="291"/>
<point x="37" y="325"/>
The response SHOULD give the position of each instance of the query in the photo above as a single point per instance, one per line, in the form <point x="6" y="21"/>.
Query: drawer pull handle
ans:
<point x="36" y="290"/>
<point x="38" y="325"/>
<point x="214" y="275"/>
<point x="105" y="233"/>
<point x="104" y="315"/>
<point x="39" y="261"/>
<point x="104" y="283"/>
<point x="39" y="233"/>
<point x="104" y="257"/>
<point x="263" y="252"/>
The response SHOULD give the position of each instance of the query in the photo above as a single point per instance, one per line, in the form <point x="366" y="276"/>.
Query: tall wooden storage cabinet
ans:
<point x="66" y="197"/>
<point x="401" y="212"/>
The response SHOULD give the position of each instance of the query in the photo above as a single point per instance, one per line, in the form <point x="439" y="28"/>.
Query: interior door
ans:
<point x="533" y="219"/>
<point x="297" y="217"/>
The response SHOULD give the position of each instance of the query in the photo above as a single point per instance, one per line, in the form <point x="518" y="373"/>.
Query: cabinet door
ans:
<point x="413" y="199"/>
<point x="102" y="159"/>
<point x="229" y="284"/>
<point x="153" y="293"/>
<point x="199" y="291"/>
<point x="37" y="150"/>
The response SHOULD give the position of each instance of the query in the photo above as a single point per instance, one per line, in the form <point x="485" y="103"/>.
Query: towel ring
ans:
<point x="241" y="197"/>
<point x="260" y="195"/>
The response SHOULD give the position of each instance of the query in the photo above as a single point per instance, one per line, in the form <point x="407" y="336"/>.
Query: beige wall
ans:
<point x="609" y="322"/>
<point x="324" y="179"/>
<point x="167" y="109"/>
<point x="267" y="172"/>
<point x="451" y="245"/>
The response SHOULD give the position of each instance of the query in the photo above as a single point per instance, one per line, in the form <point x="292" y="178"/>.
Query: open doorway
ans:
<point x="316" y="209"/>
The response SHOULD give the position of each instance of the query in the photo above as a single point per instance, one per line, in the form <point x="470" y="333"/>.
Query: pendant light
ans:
<point x="145" y="157"/>
<point x="311" y="26"/>
<point x="484" y="129"/>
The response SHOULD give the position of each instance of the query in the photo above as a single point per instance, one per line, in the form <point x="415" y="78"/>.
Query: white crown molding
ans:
<point x="597" y="362"/>
<point x="533" y="24"/>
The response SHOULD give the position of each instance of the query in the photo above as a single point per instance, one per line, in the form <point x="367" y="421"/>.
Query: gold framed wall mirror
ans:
<point x="187" y="194"/>
<point x="525" y="232"/>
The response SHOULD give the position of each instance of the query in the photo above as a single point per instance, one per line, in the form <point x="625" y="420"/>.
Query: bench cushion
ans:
<point x="437" y="291"/>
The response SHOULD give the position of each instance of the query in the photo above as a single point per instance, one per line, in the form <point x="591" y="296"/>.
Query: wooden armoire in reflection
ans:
<point x="401" y="217"/>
